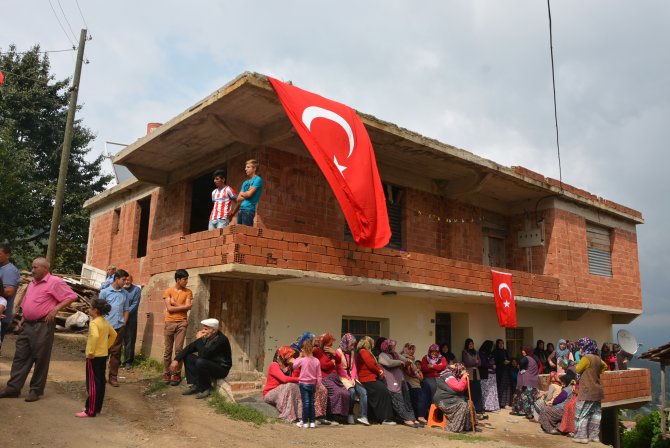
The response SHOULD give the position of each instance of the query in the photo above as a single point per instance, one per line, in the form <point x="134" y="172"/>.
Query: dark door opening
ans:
<point x="201" y="202"/>
<point x="443" y="329"/>
<point x="144" y="205"/>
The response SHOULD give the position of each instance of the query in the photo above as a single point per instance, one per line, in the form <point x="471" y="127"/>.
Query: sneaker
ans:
<point x="363" y="420"/>
<point x="175" y="380"/>
<point x="350" y="420"/>
<point x="580" y="440"/>
<point x="312" y="425"/>
<point x="389" y="422"/>
<point x="81" y="414"/>
<point x="300" y="424"/>
<point x="204" y="394"/>
<point x="167" y="377"/>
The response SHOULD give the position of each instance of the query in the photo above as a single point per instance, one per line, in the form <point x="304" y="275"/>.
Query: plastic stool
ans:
<point x="432" y="417"/>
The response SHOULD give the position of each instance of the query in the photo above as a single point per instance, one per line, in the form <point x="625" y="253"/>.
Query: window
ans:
<point x="394" y="204"/>
<point x="362" y="326"/>
<point x="144" y="206"/>
<point x="599" y="249"/>
<point x="514" y="341"/>
<point x="115" y="221"/>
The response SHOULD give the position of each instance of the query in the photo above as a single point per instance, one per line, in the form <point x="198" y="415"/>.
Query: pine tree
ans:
<point x="33" y="112"/>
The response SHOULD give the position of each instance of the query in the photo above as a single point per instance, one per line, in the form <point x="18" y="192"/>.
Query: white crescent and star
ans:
<point x="312" y="112"/>
<point x="500" y="289"/>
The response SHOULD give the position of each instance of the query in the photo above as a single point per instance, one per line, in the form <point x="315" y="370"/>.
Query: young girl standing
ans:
<point x="101" y="337"/>
<point x="310" y="375"/>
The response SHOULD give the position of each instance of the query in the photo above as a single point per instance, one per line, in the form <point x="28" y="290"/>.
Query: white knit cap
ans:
<point x="211" y="323"/>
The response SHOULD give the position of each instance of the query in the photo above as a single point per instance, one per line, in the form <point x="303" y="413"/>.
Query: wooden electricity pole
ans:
<point x="65" y="155"/>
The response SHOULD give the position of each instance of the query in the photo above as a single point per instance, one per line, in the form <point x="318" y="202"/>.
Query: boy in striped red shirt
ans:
<point x="223" y="198"/>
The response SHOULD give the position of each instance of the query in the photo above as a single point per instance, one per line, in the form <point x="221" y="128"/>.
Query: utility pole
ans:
<point x="65" y="155"/>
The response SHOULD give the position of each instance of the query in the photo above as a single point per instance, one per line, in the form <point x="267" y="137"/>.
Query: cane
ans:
<point x="472" y="408"/>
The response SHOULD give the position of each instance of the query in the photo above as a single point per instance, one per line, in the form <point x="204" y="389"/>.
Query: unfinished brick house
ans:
<point x="453" y="215"/>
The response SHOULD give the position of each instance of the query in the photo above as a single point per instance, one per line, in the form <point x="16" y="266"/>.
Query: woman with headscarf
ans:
<point x="380" y="407"/>
<point x="527" y="384"/>
<point x="546" y="398"/>
<point x="377" y="349"/>
<point x="588" y="411"/>
<point x="541" y="356"/>
<point x="281" y="388"/>
<point x="502" y="362"/>
<point x="431" y="366"/>
<point x="338" y="395"/>
<point x="488" y="377"/>
<point x="552" y="413"/>
<point x="451" y="397"/>
<point x="444" y="351"/>
<point x="321" y="395"/>
<point x="348" y="373"/>
<point x="419" y="392"/>
<point x="561" y="358"/>
<point x="471" y="361"/>
<point x="393" y="364"/>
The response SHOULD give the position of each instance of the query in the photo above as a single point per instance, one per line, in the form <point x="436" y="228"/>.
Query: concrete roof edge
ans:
<point x="111" y="193"/>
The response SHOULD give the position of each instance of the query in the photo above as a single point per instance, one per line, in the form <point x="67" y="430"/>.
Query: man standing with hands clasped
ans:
<point x="45" y="297"/>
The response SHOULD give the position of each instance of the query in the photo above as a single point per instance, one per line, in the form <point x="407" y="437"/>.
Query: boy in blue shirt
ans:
<point x="250" y="194"/>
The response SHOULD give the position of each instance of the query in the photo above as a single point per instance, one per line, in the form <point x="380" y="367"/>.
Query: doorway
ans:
<point x="443" y="329"/>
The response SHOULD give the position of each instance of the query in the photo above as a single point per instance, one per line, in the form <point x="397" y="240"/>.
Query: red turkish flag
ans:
<point x="341" y="147"/>
<point x="503" y="294"/>
<point x="2" y="78"/>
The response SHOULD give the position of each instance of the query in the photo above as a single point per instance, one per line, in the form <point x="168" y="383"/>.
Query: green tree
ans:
<point x="647" y="433"/>
<point x="33" y="111"/>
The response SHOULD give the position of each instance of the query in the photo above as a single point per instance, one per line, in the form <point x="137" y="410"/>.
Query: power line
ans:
<point x="66" y="20"/>
<point x="553" y="82"/>
<point x="60" y="24"/>
<point x="81" y="14"/>
<point x="39" y="52"/>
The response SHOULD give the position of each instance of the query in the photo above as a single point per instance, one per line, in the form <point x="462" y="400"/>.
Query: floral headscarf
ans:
<point x="365" y="343"/>
<point x="457" y="369"/>
<point x="284" y="353"/>
<point x="297" y="345"/>
<point x="388" y="346"/>
<point x="325" y="340"/>
<point x="588" y="346"/>
<point x="430" y="359"/>
<point x="348" y="342"/>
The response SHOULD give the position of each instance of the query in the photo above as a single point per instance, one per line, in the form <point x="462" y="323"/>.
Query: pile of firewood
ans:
<point x="67" y="319"/>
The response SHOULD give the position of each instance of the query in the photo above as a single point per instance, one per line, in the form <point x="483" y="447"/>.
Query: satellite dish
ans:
<point x="627" y="341"/>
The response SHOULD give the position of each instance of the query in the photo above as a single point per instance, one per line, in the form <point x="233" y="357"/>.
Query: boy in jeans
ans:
<point x="223" y="198"/>
<point x="178" y="300"/>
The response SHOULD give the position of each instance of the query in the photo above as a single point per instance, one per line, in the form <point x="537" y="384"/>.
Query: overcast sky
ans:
<point x="473" y="74"/>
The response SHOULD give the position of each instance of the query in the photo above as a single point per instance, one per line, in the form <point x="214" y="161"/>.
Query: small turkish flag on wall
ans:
<point x="339" y="143"/>
<point x="503" y="294"/>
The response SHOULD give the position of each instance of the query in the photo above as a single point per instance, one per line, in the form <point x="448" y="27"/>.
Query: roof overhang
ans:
<point x="246" y="114"/>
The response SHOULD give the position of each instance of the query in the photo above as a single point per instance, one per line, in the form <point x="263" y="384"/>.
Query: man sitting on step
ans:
<point x="212" y="361"/>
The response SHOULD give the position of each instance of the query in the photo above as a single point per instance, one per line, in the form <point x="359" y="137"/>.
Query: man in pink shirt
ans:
<point x="45" y="296"/>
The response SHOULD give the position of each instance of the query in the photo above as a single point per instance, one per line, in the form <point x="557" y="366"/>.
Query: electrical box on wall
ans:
<point x="530" y="238"/>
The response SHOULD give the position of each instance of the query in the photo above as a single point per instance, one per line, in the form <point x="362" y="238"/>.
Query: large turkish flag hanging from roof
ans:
<point x="504" y="299"/>
<point x="341" y="147"/>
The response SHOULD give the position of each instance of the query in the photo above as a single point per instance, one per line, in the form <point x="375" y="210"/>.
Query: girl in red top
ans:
<point x="380" y="407"/>
<point x="431" y="366"/>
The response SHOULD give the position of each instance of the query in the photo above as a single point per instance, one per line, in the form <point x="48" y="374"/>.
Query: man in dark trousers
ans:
<point x="45" y="297"/>
<point x="130" y="333"/>
<point x="213" y="360"/>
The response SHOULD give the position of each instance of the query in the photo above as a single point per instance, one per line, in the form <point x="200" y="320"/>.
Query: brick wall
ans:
<point x="567" y="259"/>
<point x="625" y="385"/>
<point x="273" y="248"/>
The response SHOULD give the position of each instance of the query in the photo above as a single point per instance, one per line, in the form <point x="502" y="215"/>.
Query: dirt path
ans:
<point x="131" y="418"/>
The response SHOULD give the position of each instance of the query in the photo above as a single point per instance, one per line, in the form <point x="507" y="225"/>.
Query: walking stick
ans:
<point x="472" y="408"/>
